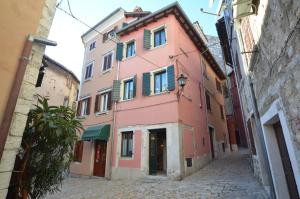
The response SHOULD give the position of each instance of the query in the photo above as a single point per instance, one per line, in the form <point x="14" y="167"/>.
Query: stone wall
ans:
<point x="24" y="100"/>
<point x="276" y="68"/>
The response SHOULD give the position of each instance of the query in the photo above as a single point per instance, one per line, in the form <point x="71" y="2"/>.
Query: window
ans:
<point x="130" y="49"/>
<point x="107" y="61"/>
<point x="128" y="89"/>
<point x="218" y="85"/>
<point x="127" y="144"/>
<point x="160" y="82"/>
<point x="78" y="149"/>
<point x="88" y="71"/>
<point x="66" y="101"/>
<point x="103" y="102"/>
<point x="109" y="35"/>
<point x="159" y="37"/>
<point x="207" y="101"/>
<point x="83" y="108"/>
<point x="222" y="111"/>
<point x="92" y="45"/>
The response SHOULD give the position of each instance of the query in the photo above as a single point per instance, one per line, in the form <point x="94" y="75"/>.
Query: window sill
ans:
<point x="161" y="93"/>
<point x="82" y="116"/>
<point x="126" y="158"/>
<point x="77" y="162"/>
<point x="126" y="100"/>
<point x="102" y="113"/>
<point x="128" y="58"/>
<point x="160" y="46"/>
<point x="88" y="79"/>
<point x="106" y="71"/>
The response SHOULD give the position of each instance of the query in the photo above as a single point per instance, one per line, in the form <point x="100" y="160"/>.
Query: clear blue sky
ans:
<point x="67" y="32"/>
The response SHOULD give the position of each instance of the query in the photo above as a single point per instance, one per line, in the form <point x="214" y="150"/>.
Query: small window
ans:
<point x="222" y="112"/>
<point x="159" y="37"/>
<point x="160" y="81"/>
<point x="78" y="149"/>
<point x="88" y="71"/>
<point x="207" y="101"/>
<point x="189" y="162"/>
<point x="104" y="102"/>
<point x="218" y="85"/>
<point x="127" y="144"/>
<point x="92" y="45"/>
<point x="130" y="49"/>
<point x="225" y="90"/>
<point x="107" y="61"/>
<point x="128" y="89"/>
<point x="66" y="101"/>
<point x="83" y="107"/>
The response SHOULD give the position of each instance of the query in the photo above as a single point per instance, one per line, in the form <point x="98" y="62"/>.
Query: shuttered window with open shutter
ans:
<point x="109" y="100"/>
<point x="147" y="39"/>
<point x="171" y="78"/>
<point x="97" y="105"/>
<point x="79" y="108"/>
<point x="88" y="107"/>
<point x="119" y="54"/>
<point x="134" y="85"/>
<point x="116" y="90"/>
<point x="146" y="84"/>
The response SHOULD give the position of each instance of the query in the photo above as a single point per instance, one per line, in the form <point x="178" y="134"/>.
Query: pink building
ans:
<point x="155" y="128"/>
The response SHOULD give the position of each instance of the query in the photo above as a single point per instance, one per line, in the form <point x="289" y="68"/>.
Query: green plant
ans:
<point x="46" y="150"/>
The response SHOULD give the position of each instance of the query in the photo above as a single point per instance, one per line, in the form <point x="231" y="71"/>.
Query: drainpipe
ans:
<point x="261" y="137"/>
<point x="16" y="86"/>
<point x="113" y="127"/>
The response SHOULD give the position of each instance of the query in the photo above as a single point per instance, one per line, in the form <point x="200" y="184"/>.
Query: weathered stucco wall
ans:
<point x="276" y="72"/>
<point x="22" y="21"/>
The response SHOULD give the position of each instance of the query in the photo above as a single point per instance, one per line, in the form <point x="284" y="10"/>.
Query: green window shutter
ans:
<point x="124" y="24"/>
<point x="119" y="54"/>
<point x="147" y="39"/>
<point x="146" y="84"/>
<point x="116" y="90"/>
<point x="171" y="78"/>
<point x="134" y="85"/>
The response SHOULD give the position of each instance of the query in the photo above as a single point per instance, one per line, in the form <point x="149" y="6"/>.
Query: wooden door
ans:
<point x="153" y="154"/>
<point x="100" y="158"/>
<point x="211" y="137"/>
<point x="286" y="162"/>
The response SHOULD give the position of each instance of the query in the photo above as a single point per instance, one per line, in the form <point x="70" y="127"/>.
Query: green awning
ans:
<point x="100" y="132"/>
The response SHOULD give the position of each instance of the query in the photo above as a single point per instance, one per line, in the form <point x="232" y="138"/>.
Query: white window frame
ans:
<point x="83" y="106"/>
<point x="85" y="68"/>
<point x="164" y="26"/>
<point x="125" y="49"/>
<point x="122" y="90"/>
<point x="112" y="60"/>
<point x="152" y="80"/>
<point x="102" y="92"/>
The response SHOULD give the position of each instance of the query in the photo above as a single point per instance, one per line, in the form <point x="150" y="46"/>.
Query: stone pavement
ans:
<point x="226" y="178"/>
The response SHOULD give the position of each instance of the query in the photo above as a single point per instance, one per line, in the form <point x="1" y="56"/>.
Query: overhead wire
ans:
<point x="70" y="13"/>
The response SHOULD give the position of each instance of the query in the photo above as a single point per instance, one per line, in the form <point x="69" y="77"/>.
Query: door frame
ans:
<point x="213" y="141"/>
<point x="94" y="153"/>
<point x="276" y="114"/>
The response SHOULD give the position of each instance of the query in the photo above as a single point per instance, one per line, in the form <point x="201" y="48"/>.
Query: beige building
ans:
<point x="24" y="27"/>
<point x="58" y="83"/>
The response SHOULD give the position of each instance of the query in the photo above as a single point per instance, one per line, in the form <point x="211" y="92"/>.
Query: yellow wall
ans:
<point x="55" y="86"/>
<point x="18" y="19"/>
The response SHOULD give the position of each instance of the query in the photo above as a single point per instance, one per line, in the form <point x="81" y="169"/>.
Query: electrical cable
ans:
<point x="145" y="59"/>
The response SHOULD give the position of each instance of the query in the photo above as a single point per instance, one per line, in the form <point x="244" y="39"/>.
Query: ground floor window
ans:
<point x="78" y="149"/>
<point x="127" y="144"/>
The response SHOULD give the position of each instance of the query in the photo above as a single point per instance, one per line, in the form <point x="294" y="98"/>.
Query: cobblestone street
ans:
<point x="229" y="177"/>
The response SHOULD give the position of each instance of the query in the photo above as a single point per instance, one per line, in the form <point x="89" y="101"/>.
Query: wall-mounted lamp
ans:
<point x="181" y="80"/>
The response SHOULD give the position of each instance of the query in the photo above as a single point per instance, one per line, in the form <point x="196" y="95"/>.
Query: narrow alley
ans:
<point x="229" y="177"/>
